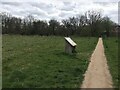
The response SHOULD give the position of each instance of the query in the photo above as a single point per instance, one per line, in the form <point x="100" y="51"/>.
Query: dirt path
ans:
<point x="97" y="74"/>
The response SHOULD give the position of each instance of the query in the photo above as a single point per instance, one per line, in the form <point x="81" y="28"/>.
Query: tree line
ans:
<point x="91" y="23"/>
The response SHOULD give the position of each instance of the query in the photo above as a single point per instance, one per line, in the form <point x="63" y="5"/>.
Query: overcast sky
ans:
<point x="59" y="9"/>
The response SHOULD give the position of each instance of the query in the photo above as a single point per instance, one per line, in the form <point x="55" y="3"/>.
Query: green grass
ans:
<point x="111" y="50"/>
<point x="35" y="61"/>
<point x="0" y="61"/>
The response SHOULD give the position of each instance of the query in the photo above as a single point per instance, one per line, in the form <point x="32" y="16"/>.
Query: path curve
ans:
<point x="97" y="74"/>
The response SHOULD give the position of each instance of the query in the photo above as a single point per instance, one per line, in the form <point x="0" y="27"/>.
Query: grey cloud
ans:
<point x="119" y="12"/>
<point x="67" y="9"/>
<point x="67" y="3"/>
<point x="104" y="3"/>
<point x="43" y="6"/>
<point x="26" y="12"/>
<point x="114" y="12"/>
<point x="64" y="14"/>
<point x="23" y="9"/>
<point x="47" y="10"/>
<point x="68" y="6"/>
<point x="11" y="3"/>
<point x="35" y="12"/>
<point x="111" y="12"/>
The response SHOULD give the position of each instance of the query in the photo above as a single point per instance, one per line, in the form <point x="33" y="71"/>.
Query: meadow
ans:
<point x="111" y="51"/>
<point x="40" y="61"/>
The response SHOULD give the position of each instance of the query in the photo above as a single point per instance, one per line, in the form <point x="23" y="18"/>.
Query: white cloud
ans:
<point x="58" y="9"/>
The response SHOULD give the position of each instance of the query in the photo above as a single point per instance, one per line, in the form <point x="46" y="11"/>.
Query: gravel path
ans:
<point x="97" y="74"/>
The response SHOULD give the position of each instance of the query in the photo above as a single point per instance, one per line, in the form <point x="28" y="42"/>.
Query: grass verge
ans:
<point x="111" y="51"/>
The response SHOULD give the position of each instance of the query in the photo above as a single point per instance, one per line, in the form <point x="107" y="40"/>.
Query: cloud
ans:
<point x="68" y="6"/>
<point x="11" y="3"/>
<point x="58" y="9"/>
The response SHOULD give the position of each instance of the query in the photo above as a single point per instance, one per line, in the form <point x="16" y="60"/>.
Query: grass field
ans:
<point x="0" y="61"/>
<point x="35" y="61"/>
<point x="111" y="50"/>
